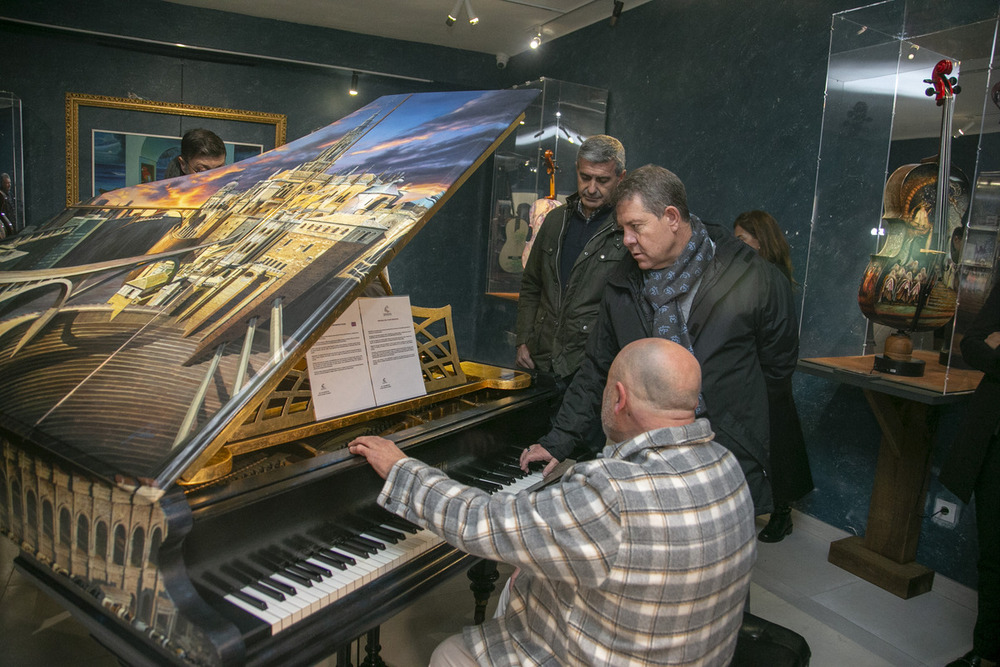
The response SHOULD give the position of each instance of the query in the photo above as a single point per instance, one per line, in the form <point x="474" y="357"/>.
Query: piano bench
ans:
<point x="762" y="643"/>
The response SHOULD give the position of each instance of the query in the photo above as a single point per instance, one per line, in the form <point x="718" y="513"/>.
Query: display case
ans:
<point x="879" y="117"/>
<point x="12" y="157"/>
<point x="975" y="268"/>
<point x="536" y="163"/>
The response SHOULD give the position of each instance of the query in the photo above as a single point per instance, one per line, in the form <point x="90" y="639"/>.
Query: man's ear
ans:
<point x="673" y="217"/>
<point x="621" y="398"/>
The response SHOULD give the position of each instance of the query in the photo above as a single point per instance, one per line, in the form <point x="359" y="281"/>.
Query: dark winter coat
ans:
<point x="743" y="330"/>
<point x="962" y="467"/>
<point x="555" y="323"/>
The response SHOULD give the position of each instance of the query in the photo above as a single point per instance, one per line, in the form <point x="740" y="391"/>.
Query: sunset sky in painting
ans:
<point x="430" y="138"/>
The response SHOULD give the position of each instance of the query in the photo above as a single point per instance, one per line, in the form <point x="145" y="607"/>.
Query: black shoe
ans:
<point x="970" y="659"/>
<point x="779" y="525"/>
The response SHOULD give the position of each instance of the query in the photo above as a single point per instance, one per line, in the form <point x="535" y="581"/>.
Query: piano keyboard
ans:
<point x="283" y="585"/>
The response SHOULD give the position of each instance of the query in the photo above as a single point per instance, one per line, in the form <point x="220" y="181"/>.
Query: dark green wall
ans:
<point x="727" y="94"/>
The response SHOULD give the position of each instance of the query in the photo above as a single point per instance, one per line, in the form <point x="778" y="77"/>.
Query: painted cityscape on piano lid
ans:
<point x="135" y="328"/>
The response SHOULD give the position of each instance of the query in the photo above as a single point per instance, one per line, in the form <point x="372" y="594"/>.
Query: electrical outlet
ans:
<point x="945" y="512"/>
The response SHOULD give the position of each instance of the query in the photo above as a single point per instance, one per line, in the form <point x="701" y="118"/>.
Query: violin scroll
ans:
<point x="942" y="86"/>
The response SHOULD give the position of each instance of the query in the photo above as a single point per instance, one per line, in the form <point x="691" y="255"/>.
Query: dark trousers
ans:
<point x="986" y="636"/>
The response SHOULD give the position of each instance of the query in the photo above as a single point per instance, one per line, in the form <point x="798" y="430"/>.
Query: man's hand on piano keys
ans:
<point x="538" y="453"/>
<point x="382" y="454"/>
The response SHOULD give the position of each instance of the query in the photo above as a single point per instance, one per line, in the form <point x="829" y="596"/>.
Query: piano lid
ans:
<point x="138" y="330"/>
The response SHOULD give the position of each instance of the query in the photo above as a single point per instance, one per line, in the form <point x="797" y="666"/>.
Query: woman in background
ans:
<point x="790" y="475"/>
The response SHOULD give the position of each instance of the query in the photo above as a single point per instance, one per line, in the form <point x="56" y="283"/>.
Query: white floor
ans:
<point x="847" y="621"/>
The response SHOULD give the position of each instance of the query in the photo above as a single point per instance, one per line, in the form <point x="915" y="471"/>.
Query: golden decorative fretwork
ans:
<point x="287" y="413"/>
<point x="438" y="353"/>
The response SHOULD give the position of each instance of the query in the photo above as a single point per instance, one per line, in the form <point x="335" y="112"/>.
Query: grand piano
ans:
<point x="161" y="466"/>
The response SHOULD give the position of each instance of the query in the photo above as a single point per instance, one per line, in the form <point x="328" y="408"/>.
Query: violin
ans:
<point x="541" y="207"/>
<point x="902" y="285"/>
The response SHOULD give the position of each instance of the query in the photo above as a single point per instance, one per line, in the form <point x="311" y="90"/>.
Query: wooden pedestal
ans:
<point x="903" y="407"/>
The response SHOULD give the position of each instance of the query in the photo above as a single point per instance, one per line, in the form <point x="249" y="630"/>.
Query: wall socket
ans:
<point x="945" y="512"/>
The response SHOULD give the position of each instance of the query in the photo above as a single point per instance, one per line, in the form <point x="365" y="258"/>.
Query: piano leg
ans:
<point x="483" y="576"/>
<point x="344" y="656"/>
<point x="372" y="648"/>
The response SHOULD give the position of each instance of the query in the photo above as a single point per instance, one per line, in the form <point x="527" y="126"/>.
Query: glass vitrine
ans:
<point x="879" y="117"/>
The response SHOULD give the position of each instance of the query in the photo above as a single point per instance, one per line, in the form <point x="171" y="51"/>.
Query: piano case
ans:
<point x="160" y="456"/>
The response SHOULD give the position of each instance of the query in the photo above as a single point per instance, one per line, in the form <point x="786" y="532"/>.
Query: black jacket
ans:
<point x="554" y="323"/>
<point x="982" y="415"/>
<point x="744" y="333"/>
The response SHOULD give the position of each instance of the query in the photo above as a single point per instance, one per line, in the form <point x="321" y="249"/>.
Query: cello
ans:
<point x="923" y="203"/>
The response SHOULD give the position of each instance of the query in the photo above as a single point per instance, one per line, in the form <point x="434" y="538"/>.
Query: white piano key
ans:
<point x="340" y="583"/>
<point x="523" y="483"/>
<point x="303" y="596"/>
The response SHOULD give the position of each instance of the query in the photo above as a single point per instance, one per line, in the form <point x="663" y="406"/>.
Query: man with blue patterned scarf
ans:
<point x="693" y="283"/>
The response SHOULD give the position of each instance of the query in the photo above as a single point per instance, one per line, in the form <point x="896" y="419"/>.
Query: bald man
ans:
<point x="639" y="557"/>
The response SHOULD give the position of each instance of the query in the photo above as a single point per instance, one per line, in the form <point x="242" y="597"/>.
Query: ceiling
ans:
<point x="505" y="26"/>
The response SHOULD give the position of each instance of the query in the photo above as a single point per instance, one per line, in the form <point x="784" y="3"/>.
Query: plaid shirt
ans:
<point x="640" y="557"/>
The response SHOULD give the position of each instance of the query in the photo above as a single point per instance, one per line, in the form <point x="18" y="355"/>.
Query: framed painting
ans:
<point x="87" y="114"/>
<point x="121" y="159"/>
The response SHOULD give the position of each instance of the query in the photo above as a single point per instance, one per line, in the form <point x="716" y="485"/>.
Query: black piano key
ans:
<point x="346" y="560"/>
<point x="501" y="479"/>
<point x="369" y="549"/>
<point x="312" y="567"/>
<point x="468" y="480"/>
<point x="329" y="533"/>
<point x="344" y="545"/>
<point x="315" y="550"/>
<point x="513" y="469"/>
<point x="278" y="568"/>
<point x="223" y="586"/>
<point x="299" y="569"/>
<point x="262" y="577"/>
<point x="374" y="544"/>
<point x="302" y="546"/>
<point x="401" y="524"/>
<point x="386" y="534"/>
<point x="490" y="474"/>
<point x="290" y="564"/>
<point x="316" y="572"/>
<point x="332" y="559"/>
<point x="249" y="599"/>
<point x="267" y="590"/>
<point x="236" y="575"/>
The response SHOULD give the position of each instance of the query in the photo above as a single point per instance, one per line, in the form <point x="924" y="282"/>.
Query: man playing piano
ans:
<point x="641" y="556"/>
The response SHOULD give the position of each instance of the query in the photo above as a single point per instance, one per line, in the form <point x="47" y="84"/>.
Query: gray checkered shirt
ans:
<point x="640" y="557"/>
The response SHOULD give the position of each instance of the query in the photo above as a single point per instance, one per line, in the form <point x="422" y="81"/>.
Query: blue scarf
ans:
<point x="665" y="288"/>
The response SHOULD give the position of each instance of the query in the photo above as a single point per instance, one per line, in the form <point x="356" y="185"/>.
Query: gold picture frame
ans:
<point x="252" y="121"/>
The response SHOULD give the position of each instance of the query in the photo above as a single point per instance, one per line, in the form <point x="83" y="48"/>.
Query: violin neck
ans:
<point x="944" y="170"/>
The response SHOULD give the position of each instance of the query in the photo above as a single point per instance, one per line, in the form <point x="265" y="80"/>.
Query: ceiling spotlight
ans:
<point x="616" y="12"/>
<point x="473" y="19"/>
<point x="453" y="14"/>
<point x="536" y="41"/>
<point x="353" y="90"/>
